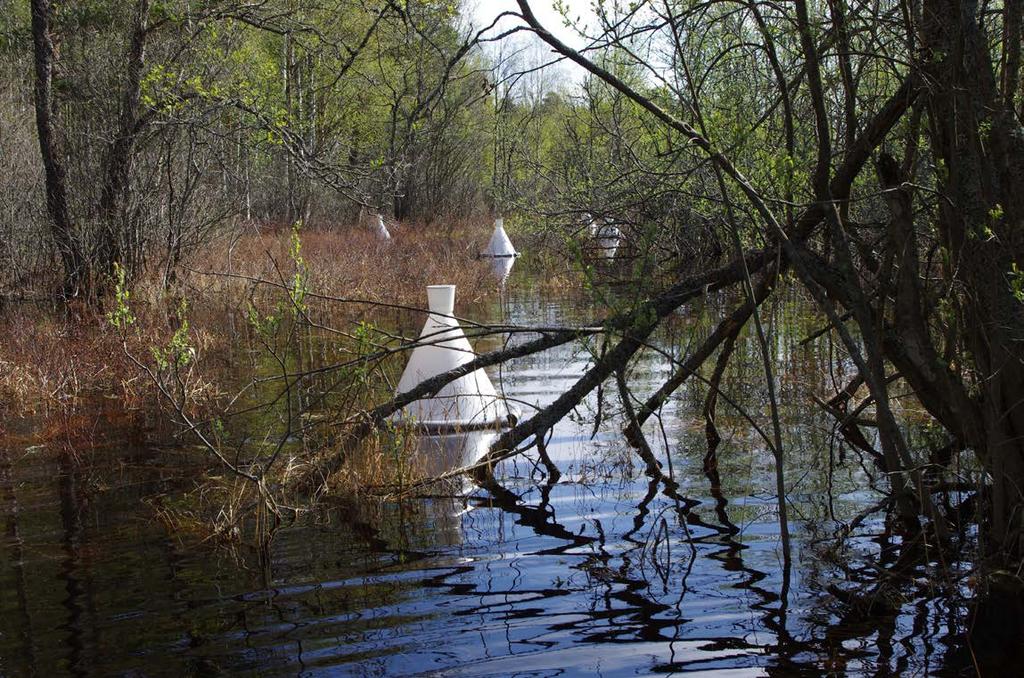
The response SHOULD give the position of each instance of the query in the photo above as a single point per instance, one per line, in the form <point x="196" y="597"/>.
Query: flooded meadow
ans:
<point x="573" y="562"/>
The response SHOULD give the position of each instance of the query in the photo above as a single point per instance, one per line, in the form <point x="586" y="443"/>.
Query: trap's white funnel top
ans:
<point x="500" y="245"/>
<point x="469" y="401"/>
<point x="381" y="230"/>
<point x="441" y="300"/>
<point x="608" y="238"/>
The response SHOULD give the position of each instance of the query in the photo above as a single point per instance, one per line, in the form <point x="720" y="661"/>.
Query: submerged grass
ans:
<point x="224" y="340"/>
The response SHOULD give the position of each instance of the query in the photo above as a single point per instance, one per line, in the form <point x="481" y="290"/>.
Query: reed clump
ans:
<point x="49" y="359"/>
<point x="51" y="355"/>
<point x="211" y="350"/>
<point x="381" y="465"/>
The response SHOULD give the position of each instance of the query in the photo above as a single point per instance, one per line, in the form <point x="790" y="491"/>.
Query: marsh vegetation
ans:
<point x="764" y="338"/>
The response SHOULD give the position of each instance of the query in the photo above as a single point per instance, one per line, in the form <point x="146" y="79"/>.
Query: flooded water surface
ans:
<point x="590" y="569"/>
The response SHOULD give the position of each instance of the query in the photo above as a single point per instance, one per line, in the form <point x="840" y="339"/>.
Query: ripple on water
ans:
<point x="601" y="574"/>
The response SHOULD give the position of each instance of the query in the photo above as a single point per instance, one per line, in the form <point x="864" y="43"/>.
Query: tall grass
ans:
<point x="56" y="360"/>
<point x="215" y="352"/>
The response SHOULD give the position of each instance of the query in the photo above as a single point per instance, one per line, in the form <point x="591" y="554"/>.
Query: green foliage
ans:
<point x="178" y="352"/>
<point x="15" y="26"/>
<point x="268" y="325"/>
<point x="1016" y="278"/>
<point x="265" y="326"/>
<point x="300" y="279"/>
<point x="986" y="231"/>
<point x="121" y="317"/>
<point x="995" y="215"/>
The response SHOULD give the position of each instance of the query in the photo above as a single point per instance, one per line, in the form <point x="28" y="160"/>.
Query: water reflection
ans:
<point x="571" y="561"/>
<point x="17" y="618"/>
<point x="440" y="454"/>
<point x="502" y="268"/>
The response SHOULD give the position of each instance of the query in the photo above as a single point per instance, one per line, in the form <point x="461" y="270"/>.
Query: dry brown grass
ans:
<point x="63" y="386"/>
<point x="350" y="263"/>
<point x="52" y="358"/>
<point x="69" y="372"/>
<point x="381" y="465"/>
<point x="48" y="359"/>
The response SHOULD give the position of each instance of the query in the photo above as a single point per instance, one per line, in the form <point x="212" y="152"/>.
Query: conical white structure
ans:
<point x="500" y="245"/>
<point x="467" y="402"/>
<point x="502" y="267"/>
<point x="381" y="230"/>
<point x="608" y="238"/>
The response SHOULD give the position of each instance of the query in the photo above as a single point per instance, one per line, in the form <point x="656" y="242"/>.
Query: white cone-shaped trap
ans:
<point x="500" y="245"/>
<point x="502" y="267"/>
<point x="469" y="401"/>
<point x="381" y="230"/>
<point x="608" y="238"/>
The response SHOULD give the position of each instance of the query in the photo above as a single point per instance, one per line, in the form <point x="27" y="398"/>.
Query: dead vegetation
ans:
<point x="68" y="370"/>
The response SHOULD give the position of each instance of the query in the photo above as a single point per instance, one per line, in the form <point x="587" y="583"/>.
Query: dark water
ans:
<point x="601" y="573"/>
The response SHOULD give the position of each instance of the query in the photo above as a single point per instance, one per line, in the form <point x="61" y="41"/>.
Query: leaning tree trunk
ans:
<point x="50" y="148"/>
<point x="979" y="147"/>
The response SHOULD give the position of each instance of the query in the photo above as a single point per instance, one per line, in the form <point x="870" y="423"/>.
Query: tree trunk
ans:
<point x="980" y="147"/>
<point x="121" y="243"/>
<point x="50" y="148"/>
